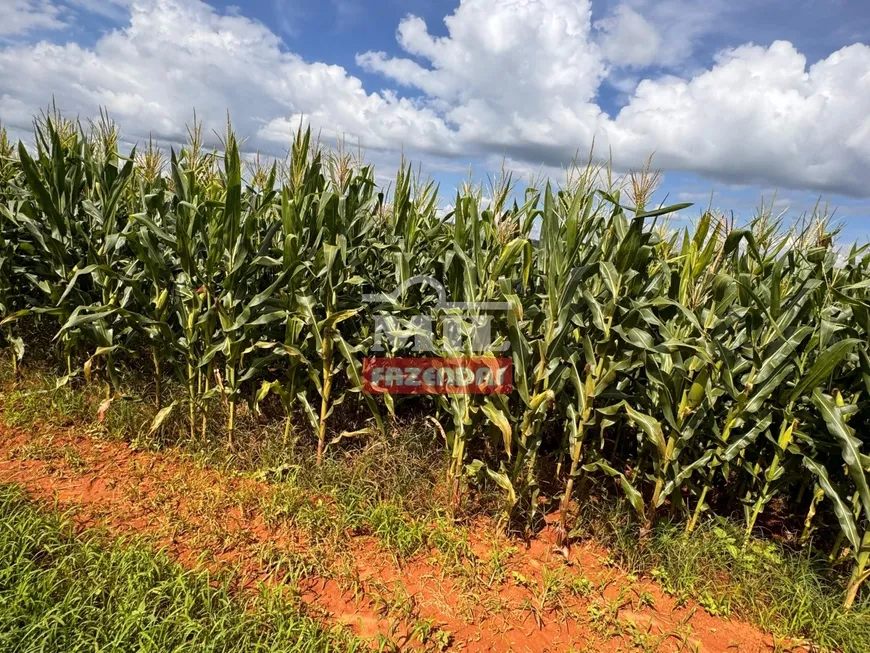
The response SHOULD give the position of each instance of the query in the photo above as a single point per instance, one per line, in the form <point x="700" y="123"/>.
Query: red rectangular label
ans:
<point x="465" y="375"/>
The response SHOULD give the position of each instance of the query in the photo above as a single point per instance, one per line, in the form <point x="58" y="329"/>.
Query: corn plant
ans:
<point x="700" y="367"/>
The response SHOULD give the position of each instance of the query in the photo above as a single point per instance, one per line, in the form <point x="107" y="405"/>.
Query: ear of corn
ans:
<point x="691" y="367"/>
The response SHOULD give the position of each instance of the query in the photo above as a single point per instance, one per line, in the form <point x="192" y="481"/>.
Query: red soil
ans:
<point x="202" y="517"/>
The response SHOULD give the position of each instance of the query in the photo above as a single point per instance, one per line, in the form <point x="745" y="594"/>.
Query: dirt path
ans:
<point x="501" y="597"/>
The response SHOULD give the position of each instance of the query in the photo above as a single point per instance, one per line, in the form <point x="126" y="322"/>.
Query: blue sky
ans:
<point x="744" y="99"/>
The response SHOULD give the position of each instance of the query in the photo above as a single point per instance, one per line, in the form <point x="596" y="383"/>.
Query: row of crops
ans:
<point x="693" y="368"/>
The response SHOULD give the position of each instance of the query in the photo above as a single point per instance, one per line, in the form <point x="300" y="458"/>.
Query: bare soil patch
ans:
<point x="533" y="598"/>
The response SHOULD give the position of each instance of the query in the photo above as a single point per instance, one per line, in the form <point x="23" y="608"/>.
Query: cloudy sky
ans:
<point x="740" y="98"/>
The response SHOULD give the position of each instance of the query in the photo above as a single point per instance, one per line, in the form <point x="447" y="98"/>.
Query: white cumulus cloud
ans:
<point x="177" y="55"/>
<point x="22" y="16"/>
<point x="759" y="114"/>
<point x="516" y="78"/>
<point x="629" y="39"/>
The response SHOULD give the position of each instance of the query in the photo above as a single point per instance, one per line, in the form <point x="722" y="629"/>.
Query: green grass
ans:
<point x="36" y="397"/>
<point x="60" y="592"/>
<point x="788" y="592"/>
<point x="386" y="488"/>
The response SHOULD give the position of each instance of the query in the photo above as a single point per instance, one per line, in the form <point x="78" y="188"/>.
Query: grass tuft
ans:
<point x="788" y="592"/>
<point x="67" y="593"/>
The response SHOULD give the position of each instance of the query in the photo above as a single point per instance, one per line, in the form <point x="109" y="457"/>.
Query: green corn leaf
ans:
<point x="786" y="351"/>
<point x="765" y="392"/>
<point x="841" y="508"/>
<point x="663" y="210"/>
<point x="686" y="472"/>
<point x="746" y="440"/>
<point x="13" y="317"/>
<point x="610" y="276"/>
<point x="43" y="197"/>
<point x="634" y="497"/>
<point x="78" y="319"/>
<point x="824" y="366"/>
<point x="313" y="419"/>
<point x="510" y="254"/>
<point x="849" y="445"/>
<point x="651" y="427"/>
<point x="335" y="318"/>
<point x="498" y="418"/>
<point x="503" y="481"/>
<point x="354" y="374"/>
<point x="161" y="417"/>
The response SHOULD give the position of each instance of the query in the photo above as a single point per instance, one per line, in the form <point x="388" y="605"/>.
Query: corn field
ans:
<point x="693" y="369"/>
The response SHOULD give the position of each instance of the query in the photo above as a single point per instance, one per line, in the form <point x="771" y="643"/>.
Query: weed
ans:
<point x="581" y="586"/>
<point x="791" y="593"/>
